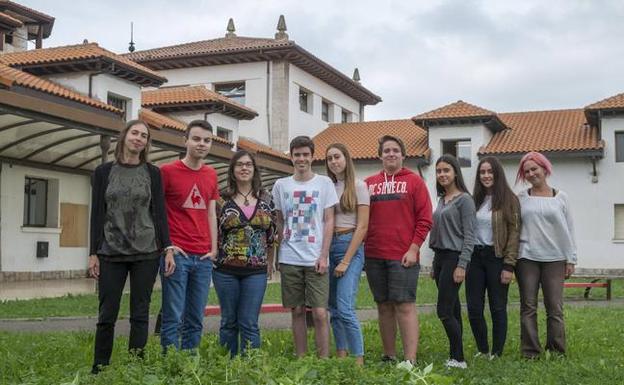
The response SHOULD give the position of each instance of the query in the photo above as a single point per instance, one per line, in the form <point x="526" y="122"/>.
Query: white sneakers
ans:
<point x="452" y="363"/>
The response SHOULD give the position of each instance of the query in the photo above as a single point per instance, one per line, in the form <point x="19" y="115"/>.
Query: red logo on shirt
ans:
<point x="194" y="200"/>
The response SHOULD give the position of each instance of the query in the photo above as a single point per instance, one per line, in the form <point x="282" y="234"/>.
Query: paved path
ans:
<point x="274" y="321"/>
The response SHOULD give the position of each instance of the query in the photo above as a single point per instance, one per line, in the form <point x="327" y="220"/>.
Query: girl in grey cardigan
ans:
<point x="452" y="240"/>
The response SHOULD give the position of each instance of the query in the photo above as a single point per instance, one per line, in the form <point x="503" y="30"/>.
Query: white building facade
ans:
<point x="585" y="146"/>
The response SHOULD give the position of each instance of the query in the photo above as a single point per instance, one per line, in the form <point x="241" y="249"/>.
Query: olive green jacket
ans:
<point x="506" y="235"/>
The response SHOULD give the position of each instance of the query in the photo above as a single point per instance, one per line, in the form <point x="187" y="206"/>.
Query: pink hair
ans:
<point x="536" y="157"/>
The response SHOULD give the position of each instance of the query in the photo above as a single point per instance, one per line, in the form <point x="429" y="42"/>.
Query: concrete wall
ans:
<point x="18" y="243"/>
<point x="253" y="74"/>
<point x="101" y="85"/>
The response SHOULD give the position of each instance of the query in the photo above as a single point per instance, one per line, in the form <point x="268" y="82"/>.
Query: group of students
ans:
<point x="321" y="232"/>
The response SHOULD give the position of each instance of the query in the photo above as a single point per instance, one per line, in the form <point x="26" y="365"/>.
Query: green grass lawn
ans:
<point x="86" y="305"/>
<point x="594" y="357"/>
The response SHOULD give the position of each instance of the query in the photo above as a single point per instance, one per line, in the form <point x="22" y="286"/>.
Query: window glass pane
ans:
<point x="224" y="133"/>
<point x="325" y="111"/>
<point x="449" y="148"/>
<point x="345" y="116"/>
<point x="463" y="153"/>
<point x="234" y="91"/>
<point x="35" y="202"/>
<point x="303" y="100"/>
<point x="619" y="146"/>
<point x="619" y="222"/>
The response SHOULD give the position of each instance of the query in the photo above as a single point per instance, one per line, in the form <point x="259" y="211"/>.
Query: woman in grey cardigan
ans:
<point x="546" y="255"/>
<point x="452" y="240"/>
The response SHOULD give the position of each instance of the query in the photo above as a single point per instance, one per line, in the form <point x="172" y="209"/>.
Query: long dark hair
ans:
<point x="256" y="181"/>
<point x="459" y="179"/>
<point x="121" y="141"/>
<point x="502" y="195"/>
<point x="348" y="200"/>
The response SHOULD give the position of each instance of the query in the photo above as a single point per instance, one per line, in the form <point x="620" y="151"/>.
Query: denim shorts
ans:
<point x="389" y="281"/>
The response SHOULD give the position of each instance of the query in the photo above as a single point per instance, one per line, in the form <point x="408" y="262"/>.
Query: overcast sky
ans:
<point x="416" y="54"/>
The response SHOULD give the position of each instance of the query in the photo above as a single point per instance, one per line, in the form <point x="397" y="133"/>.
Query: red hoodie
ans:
<point x="400" y="214"/>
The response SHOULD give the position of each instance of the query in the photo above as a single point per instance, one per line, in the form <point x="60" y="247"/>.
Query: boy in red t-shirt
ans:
<point x="191" y="191"/>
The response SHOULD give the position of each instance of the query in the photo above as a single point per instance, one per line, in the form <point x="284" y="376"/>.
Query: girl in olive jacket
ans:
<point x="497" y="233"/>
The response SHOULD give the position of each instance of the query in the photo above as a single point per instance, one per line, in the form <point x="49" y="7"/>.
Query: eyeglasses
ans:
<point x="243" y="164"/>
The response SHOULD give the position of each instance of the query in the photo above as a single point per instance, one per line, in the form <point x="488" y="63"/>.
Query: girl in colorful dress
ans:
<point x="247" y="234"/>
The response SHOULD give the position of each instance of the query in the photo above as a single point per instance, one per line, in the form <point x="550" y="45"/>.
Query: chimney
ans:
<point x="356" y="76"/>
<point x="281" y="29"/>
<point x="230" y="28"/>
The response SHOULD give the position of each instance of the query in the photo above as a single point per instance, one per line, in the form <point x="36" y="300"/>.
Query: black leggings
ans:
<point x="449" y="307"/>
<point x="484" y="274"/>
<point x="111" y="284"/>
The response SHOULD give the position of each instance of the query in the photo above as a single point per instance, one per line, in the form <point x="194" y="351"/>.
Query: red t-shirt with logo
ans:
<point x="187" y="196"/>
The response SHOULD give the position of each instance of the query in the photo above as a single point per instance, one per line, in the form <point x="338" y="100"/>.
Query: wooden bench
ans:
<point x="595" y="282"/>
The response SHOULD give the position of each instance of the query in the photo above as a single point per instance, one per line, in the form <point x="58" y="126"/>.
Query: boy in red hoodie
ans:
<point x="400" y="219"/>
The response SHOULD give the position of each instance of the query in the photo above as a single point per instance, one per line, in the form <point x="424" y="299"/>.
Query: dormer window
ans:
<point x="234" y="91"/>
<point x="461" y="149"/>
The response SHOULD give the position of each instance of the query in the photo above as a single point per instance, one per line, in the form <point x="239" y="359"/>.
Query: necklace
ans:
<point x="246" y="203"/>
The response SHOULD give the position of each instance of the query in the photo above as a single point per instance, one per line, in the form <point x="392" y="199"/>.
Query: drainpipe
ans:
<point x="268" y="95"/>
<point x="594" y="171"/>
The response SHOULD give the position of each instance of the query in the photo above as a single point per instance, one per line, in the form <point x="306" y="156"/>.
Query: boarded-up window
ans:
<point x="74" y="224"/>
<point x="619" y="222"/>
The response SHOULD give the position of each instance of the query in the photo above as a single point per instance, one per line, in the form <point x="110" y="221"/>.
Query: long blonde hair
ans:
<point x="348" y="200"/>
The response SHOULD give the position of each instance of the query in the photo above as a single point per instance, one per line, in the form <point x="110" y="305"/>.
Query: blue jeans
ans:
<point x="240" y="298"/>
<point x="184" y="297"/>
<point x="342" y="296"/>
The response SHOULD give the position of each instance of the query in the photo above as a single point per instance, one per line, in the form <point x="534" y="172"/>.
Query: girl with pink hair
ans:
<point x="546" y="255"/>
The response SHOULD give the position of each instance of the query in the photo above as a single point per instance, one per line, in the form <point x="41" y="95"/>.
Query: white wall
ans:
<point x="18" y="244"/>
<point x="255" y="77"/>
<point x="311" y="123"/>
<point x="101" y="85"/>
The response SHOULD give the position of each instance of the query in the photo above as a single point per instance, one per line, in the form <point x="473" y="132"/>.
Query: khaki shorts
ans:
<point x="303" y="286"/>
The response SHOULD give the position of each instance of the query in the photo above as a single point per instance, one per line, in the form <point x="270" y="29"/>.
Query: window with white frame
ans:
<point x="234" y="91"/>
<point x="305" y="97"/>
<point x="41" y="202"/>
<point x="619" y="146"/>
<point x="325" y="111"/>
<point x="461" y="149"/>
<point x="618" y="221"/>
<point x="118" y="102"/>
<point x="224" y="133"/>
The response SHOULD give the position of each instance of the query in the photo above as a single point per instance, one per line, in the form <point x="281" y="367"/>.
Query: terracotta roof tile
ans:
<point x="157" y="120"/>
<point x="255" y="147"/>
<point x="75" y="53"/>
<point x="613" y="102"/>
<point x="548" y="131"/>
<point x="9" y="20"/>
<point x="212" y="46"/>
<point x="11" y="77"/>
<point x="171" y="96"/>
<point x="361" y="138"/>
<point x="459" y="109"/>
<point x="17" y="7"/>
